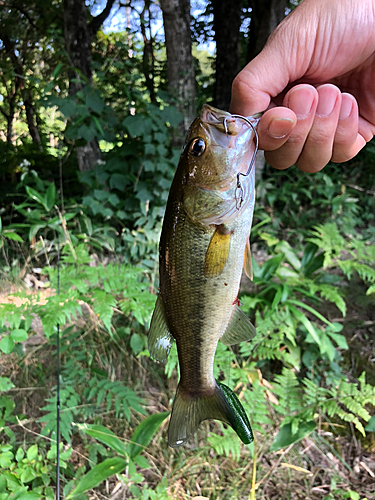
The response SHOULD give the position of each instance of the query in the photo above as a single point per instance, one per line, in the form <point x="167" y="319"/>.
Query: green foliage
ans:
<point x="128" y="454"/>
<point x="130" y="189"/>
<point x="292" y="331"/>
<point x="29" y="473"/>
<point x="316" y="232"/>
<point x="225" y="444"/>
<point x="298" y="201"/>
<point x="117" y="297"/>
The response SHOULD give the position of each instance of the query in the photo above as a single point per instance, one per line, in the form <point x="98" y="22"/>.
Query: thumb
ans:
<point x="263" y="78"/>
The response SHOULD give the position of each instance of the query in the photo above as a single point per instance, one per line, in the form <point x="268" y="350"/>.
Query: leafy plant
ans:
<point x="29" y="473"/>
<point x="126" y="458"/>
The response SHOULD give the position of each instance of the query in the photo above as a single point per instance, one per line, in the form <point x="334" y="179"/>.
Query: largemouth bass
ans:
<point x="203" y="246"/>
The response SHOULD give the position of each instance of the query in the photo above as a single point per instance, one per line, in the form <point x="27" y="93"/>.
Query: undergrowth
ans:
<point x="312" y="413"/>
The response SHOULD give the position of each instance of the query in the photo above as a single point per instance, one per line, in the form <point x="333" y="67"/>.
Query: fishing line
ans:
<point x="58" y="381"/>
<point x="60" y="215"/>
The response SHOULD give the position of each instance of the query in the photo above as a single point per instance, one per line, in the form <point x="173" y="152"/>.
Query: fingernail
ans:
<point x="301" y="101"/>
<point x="346" y="107"/>
<point x="280" y="127"/>
<point x="327" y="101"/>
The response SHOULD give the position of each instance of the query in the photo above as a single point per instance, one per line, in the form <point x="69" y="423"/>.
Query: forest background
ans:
<point x="95" y="99"/>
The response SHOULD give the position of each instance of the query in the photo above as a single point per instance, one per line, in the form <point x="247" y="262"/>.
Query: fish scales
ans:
<point x="202" y="247"/>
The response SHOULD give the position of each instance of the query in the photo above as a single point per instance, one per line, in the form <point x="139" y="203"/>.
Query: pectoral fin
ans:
<point x="160" y="339"/>
<point x="217" y="253"/>
<point x="247" y="261"/>
<point x="239" y="329"/>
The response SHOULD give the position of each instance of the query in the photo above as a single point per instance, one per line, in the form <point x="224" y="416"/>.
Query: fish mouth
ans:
<point x="223" y="121"/>
<point x="231" y="132"/>
<point x="227" y="130"/>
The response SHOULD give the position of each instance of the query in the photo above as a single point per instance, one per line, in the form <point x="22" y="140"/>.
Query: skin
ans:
<point x="315" y="81"/>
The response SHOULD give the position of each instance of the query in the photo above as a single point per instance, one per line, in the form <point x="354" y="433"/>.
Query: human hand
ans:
<point x="315" y="77"/>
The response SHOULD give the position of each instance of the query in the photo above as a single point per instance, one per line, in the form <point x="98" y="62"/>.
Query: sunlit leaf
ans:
<point x="5" y="384"/>
<point x="7" y="344"/>
<point x="99" y="473"/>
<point x="104" y="435"/>
<point x="145" y="432"/>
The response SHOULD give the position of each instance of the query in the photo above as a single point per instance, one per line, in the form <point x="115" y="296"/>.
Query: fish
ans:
<point x="204" y="245"/>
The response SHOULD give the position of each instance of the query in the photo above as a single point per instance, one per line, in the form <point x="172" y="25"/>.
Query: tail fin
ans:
<point x="189" y="411"/>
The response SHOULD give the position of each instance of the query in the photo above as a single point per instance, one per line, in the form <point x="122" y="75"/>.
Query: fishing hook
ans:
<point x="253" y="126"/>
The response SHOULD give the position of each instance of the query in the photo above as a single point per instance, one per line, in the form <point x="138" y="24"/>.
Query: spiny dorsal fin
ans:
<point x="160" y="339"/>
<point x="247" y="261"/>
<point x="239" y="329"/>
<point x="217" y="253"/>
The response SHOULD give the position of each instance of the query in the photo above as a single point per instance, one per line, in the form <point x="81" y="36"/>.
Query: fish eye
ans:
<point x="197" y="147"/>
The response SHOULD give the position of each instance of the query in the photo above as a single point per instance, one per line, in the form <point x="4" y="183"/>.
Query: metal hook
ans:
<point x="239" y="186"/>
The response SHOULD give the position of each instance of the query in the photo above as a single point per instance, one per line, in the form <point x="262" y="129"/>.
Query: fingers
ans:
<point x="303" y="101"/>
<point x="313" y="127"/>
<point x="347" y="141"/>
<point x="318" y="147"/>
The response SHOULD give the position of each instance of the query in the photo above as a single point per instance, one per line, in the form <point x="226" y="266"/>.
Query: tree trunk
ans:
<point x="78" y="44"/>
<point x="180" y="68"/>
<point x="9" y="119"/>
<point x="265" y="16"/>
<point x="227" y="21"/>
<point x="30" y="118"/>
<point x="148" y="59"/>
<point x="26" y="94"/>
<point x="78" y="35"/>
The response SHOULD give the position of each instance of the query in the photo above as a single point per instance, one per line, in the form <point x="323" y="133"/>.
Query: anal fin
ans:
<point x="160" y="339"/>
<point x="217" y="253"/>
<point x="239" y="329"/>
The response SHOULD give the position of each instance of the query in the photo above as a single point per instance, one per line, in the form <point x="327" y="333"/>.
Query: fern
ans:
<point x="329" y="292"/>
<point x="255" y="403"/>
<point x="58" y="310"/>
<point x="69" y="402"/>
<point x="345" y="400"/>
<point x="286" y="386"/>
<point x="103" y="304"/>
<point x="272" y="332"/>
<point x="364" y="271"/>
<point x="114" y="394"/>
<point x="361" y="254"/>
<point x="328" y="238"/>
<point x="225" y="444"/>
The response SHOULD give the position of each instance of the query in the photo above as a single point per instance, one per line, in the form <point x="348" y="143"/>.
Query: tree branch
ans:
<point x="24" y="12"/>
<point x="3" y="112"/>
<point x="98" y="20"/>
